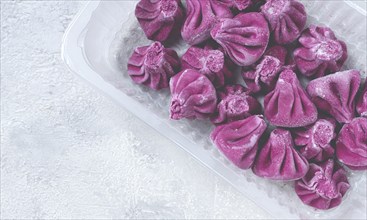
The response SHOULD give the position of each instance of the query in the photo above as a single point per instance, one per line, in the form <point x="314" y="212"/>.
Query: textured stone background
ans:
<point x="69" y="152"/>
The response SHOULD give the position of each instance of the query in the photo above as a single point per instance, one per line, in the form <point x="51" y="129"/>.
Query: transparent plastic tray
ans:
<point x="102" y="36"/>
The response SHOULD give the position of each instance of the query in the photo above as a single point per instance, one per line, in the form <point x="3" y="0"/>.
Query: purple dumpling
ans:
<point x="243" y="38"/>
<point x="193" y="96"/>
<point x="362" y="102"/>
<point x="202" y="15"/>
<point x="336" y="93"/>
<point x="237" y="4"/>
<point x="287" y="18"/>
<point x="314" y="140"/>
<point x="160" y="19"/>
<point x="209" y="62"/>
<point x="262" y="76"/>
<point x="320" y="52"/>
<point x="323" y="186"/>
<point x="288" y="105"/>
<point x="153" y="65"/>
<point x="351" y="146"/>
<point x="235" y="104"/>
<point x="278" y="160"/>
<point x="238" y="140"/>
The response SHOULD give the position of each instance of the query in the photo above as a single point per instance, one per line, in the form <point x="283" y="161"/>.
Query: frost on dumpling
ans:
<point x="351" y="146"/>
<point x="278" y="160"/>
<point x="336" y="93"/>
<point x="238" y="140"/>
<point x="323" y="186"/>
<point x="201" y="16"/>
<point x="209" y="62"/>
<point x="362" y="102"/>
<point x="262" y="76"/>
<point x="235" y="104"/>
<point x="160" y="19"/>
<point x="320" y="52"/>
<point x="288" y="105"/>
<point x="287" y="18"/>
<point x="153" y="65"/>
<point x="315" y="141"/>
<point x="243" y="38"/>
<point x="193" y="96"/>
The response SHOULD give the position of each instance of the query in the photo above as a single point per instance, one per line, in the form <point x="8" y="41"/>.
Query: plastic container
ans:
<point x="101" y="37"/>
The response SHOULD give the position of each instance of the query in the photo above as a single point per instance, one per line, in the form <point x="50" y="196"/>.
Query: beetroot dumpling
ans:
<point x="335" y="94"/>
<point x="235" y="104"/>
<point x="287" y="18"/>
<point x="202" y="15"/>
<point x="351" y="146"/>
<point x="320" y="52"/>
<point x="278" y="160"/>
<point x="315" y="140"/>
<point x="238" y="140"/>
<point x="160" y="19"/>
<point x="209" y="62"/>
<point x="288" y="105"/>
<point x="362" y="102"/>
<point x="153" y="65"/>
<point x="193" y="96"/>
<point x="243" y="38"/>
<point x="323" y="186"/>
<point x="263" y="75"/>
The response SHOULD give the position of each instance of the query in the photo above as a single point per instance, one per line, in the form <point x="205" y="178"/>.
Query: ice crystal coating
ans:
<point x="323" y="186"/>
<point x="320" y="52"/>
<point x="153" y="65"/>
<point x="351" y="146"/>
<point x="287" y="18"/>
<point x="336" y="93"/>
<point x="288" y="105"/>
<point x="201" y="16"/>
<point x="235" y="104"/>
<point x="238" y="140"/>
<point x="244" y="38"/>
<point x="193" y="96"/>
<point x="278" y="160"/>
<point x="160" y="19"/>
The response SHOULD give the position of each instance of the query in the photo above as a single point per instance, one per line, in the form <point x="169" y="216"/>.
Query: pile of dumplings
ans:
<point x="310" y="135"/>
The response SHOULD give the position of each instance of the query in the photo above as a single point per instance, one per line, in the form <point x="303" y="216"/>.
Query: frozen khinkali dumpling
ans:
<point x="262" y="76"/>
<point x="287" y="18"/>
<point x="288" y="105"/>
<point x="193" y="96"/>
<point x="243" y="38"/>
<point x="362" y="102"/>
<point x="320" y="53"/>
<point x="278" y="160"/>
<point x="153" y="65"/>
<point x="314" y="140"/>
<point x="235" y="104"/>
<point x="160" y="19"/>
<point x="209" y="62"/>
<point x="238" y="140"/>
<point x="336" y="93"/>
<point x="202" y="15"/>
<point x="351" y="146"/>
<point x="323" y="186"/>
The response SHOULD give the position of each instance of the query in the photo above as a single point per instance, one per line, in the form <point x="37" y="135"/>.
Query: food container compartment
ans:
<point x="101" y="38"/>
